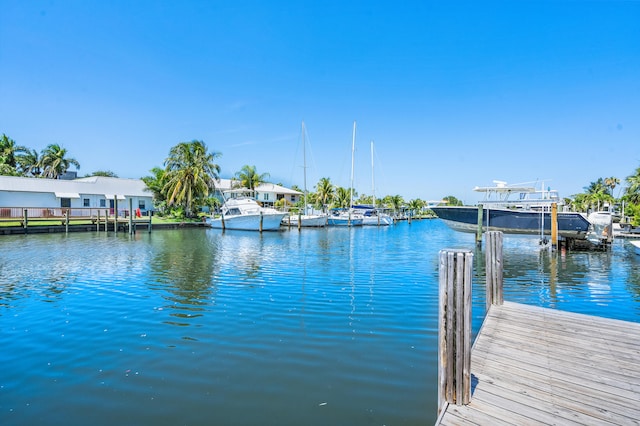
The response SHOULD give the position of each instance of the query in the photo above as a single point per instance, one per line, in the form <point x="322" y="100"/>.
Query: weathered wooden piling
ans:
<point x="554" y="226"/>
<point x="150" y="217"/>
<point x="454" y="321"/>
<point x="66" y="221"/>
<point x="261" y="220"/>
<point x="115" y="211"/>
<point x="479" y="229"/>
<point x="25" y="220"/>
<point x="494" y="268"/>
<point x="131" y="216"/>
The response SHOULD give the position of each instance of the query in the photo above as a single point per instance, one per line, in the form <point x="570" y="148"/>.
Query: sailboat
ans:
<point x="305" y="219"/>
<point x="372" y="215"/>
<point x="348" y="217"/>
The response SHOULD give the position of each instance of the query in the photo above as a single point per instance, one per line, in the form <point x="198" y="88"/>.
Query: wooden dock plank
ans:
<point x="533" y="365"/>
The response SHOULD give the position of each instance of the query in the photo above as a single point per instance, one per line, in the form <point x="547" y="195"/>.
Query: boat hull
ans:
<point x="344" y="221"/>
<point x="381" y="220"/>
<point x="465" y="219"/>
<point x="636" y="246"/>
<point x="306" y="221"/>
<point x="249" y="222"/>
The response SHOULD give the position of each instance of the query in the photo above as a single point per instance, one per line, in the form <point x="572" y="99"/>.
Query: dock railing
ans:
<point x="26" y="217"/>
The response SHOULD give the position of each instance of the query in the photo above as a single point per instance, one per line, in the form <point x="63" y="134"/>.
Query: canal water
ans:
<point x="329" y="326"/>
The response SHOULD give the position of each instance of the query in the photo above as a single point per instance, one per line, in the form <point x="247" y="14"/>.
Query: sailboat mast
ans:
<point x="304" y="157"/>
<point x="373" y="184"/>
<point x="353" y="148"/>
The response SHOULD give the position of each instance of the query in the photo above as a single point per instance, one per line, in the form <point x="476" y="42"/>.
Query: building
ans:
<point x="266" y="193"/>
<point x="89" y="192"/>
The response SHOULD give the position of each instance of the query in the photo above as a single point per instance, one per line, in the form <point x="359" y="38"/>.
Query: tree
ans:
<point x="611" y="183"/>
<point x="190" y="174"/>
<point x="632" y="192"/>
<point x="324" y="193"/>
<point x="416" y="205"/>
<point x="597" y="193"/>
<point x="452" y="201"/>
<point x="9" y="151"/>
<point x="29" y="163"/>
<point x="155" y="183"/>
<point x="104" y="173"/>
<point x="249" y="178"/>
<point x="396" y="202"/>
<point x="54" y="161"/>
<point x="342" y="197"/>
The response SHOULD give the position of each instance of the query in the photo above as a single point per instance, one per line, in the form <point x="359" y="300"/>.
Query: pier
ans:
<point x="532" y="365"/>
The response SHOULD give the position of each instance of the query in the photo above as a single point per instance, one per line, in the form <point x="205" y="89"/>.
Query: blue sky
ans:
<point x="454" y="94"/>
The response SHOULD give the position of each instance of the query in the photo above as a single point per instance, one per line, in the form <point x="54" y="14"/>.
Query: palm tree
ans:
<point x="9" y="151"/>
<point x="190" y="174"/>
<point x="342" y="197"/>
<point x="324" y="193"/>
<point x="396" y="202"/>
<point x="29" y="163"/>
<point x="155" y="183"/>
<point x="597" y="192"/>
<point x="249" y="178"/>
<point x="632" y="193"/>
<point x="611" y="183"/>
<point x="54" y="162"/>
<point x="416" y="205"/>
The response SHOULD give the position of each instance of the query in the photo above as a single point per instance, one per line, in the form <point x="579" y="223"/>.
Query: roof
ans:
<point x="90" y="185"/>
<point x="272" y="187"/>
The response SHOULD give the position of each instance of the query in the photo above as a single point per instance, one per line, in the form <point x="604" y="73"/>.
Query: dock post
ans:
<point x="98" y="222"/>
<point x="454" y="327"/>
<point x="261" y="220"/>
<point x="554" y="226"/>
<point x="299" y="221"/>
<point x="479" y="230"/>
<point x="106" y="219"/>
<point x="150" y="216"/>
<point x="222" y="220"/>
<point x="115" y="211"/>
<point x="130" y="215"/>
<point x="25" y="220"/>
<point x="494" y="269"/>
<point x="66" y="221"/>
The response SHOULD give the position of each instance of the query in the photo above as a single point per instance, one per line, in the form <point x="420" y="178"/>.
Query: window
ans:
<point x="141" y="205"/>
<point x="103" y="203"/>
<point x="265" y="197"/>
<point x="65" y="202"/>
<point x="85" y="202"/>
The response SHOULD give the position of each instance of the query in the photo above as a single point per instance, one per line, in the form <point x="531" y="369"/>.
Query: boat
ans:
<point x="306" y="219"/>
<point x="347" y="217"/>
<point x="244" y="213"/>
<point x="373" y="216"/>
<point x="529" y="213"/>
<point x="636" y="246"/>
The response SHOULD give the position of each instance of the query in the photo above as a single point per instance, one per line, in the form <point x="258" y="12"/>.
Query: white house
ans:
<point x="266" y="193"/>
<point x="89" y="192"/>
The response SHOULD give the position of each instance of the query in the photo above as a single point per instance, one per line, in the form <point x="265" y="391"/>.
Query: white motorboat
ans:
<point x="244" y="213"/>
<point x="636" y="246"/>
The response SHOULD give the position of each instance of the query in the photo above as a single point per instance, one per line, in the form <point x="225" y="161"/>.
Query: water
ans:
<point x="335" y="326"/>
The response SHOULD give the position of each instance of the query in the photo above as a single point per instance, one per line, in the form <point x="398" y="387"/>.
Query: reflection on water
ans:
<point x="323" y="326"/>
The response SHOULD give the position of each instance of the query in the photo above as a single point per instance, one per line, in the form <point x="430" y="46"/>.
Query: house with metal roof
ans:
<point x="265" y="193"/>
<point x="89" y="192"/>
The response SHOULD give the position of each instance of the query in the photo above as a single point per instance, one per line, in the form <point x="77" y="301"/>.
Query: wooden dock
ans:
<point x="539" y="366"/>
